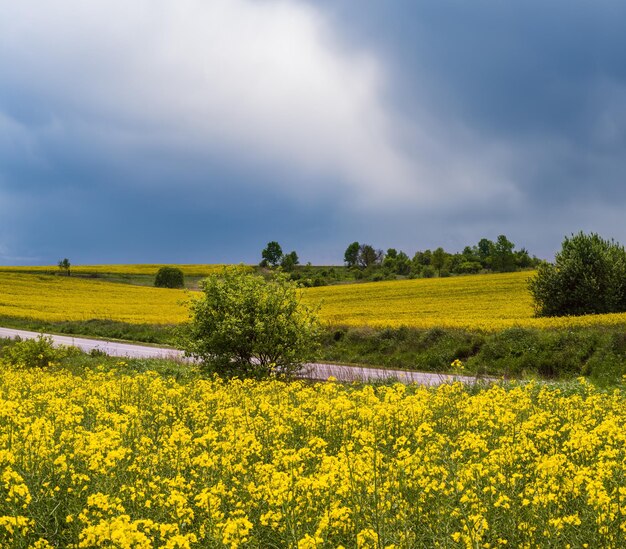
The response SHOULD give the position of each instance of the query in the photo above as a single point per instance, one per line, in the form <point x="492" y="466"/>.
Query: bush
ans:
<point x="587" y="277"/>
<point x="37" y="353"/>
<point x="248" y="327"/>
<point x="469" y="267"/>
<point x="169" y="277"/>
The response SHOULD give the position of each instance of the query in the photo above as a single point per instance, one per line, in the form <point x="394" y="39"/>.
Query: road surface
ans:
<point x="317" y="371"/>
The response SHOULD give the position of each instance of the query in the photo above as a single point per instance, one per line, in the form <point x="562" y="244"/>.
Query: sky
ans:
<point x="195" y="131"/>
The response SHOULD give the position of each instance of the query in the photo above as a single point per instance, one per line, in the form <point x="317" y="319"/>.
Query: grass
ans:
<point x="159" y="334"/>
<point x="597" y="352"/>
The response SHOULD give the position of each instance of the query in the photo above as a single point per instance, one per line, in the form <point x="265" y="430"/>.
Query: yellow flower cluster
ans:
<point x="105" y="459"/>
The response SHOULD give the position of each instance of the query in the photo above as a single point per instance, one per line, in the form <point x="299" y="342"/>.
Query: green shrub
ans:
<point x="587" y="277"/>
<point x="36" y="353"/>
<point x="169" y="277"/>
<point x="249" y="327"/>
<point x="469" y="267"/>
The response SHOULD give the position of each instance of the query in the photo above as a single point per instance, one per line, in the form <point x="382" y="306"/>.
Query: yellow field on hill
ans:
<point x="142" y="269"/>
<point x="58" y="298"/>
<point x="485" y="302"/>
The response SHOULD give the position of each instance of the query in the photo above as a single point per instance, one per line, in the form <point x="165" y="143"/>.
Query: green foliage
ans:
<point x="369" y="256"/>
<point x="36" y="353"/>
<point x="405" y="348"/>
<point x="249" y="327"/>
<point x="397" y="262"/>
<point x="169" y="277"/>
<point x="289" y="261"/>
<point x="109" y="329"/>
<point x="597" y="352"/>
<point x="469" y="267"/>
<point x="502" y="256"/>
<point x="438" y="259"/>
<point x="271" y="254"/>
<point x="351" y="256"/>
<point x="64" y="266"/>
<point x="587" y="277"/>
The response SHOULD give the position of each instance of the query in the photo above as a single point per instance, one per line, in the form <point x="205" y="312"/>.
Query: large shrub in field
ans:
<point x="169" y="277"/>
<point x="249" y="327"/>
<point x="587" y="277"/>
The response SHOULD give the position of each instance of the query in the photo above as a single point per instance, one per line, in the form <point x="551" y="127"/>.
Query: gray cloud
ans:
<point x="407" y="124"/>
<point x="268" y="84"/>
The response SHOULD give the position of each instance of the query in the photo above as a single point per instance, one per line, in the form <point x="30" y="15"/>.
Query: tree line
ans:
<point x="486" y="256"/>
<point x="365" y="262"/>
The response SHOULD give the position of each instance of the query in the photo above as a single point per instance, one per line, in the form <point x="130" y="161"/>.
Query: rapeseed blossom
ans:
<point x="105" y="459"/>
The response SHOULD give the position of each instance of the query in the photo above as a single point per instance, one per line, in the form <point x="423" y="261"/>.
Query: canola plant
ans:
<point x="104" y="459"/>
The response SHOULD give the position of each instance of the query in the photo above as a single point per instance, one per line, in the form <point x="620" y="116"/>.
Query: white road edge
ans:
<point x="315" y="371"/>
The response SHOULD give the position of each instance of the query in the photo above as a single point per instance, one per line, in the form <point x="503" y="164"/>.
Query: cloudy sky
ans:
<point x="198" y="130"/>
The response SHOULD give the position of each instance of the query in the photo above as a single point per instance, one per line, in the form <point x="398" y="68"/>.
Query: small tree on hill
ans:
<point x="289" y="261"/>
<point x="502" y="256"/>
<point x="351" y="256"/>
<point x="64" y="266"/>
<point x="587" y="277"/>
<point x="169" y="277"/>
<point x="369" y="256"/>
<point x="272" y="254"/>
<point x="246" y="326"/>
<point x="438" y="259"/>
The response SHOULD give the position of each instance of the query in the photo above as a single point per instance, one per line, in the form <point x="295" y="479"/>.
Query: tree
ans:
<point x="423" y="258"/>
<point x="289" y="261"/>
<point x="403" y="264"/>
<point x="64" y="266"/>
<point x="169" y="277"/>
<point x="272" y="254"/>
<point x="368" y="256"/>
<point x="502" y="256"/>
<point x="397" y="262"/>
<point x="389" y="262"/>
<point x="246" y="326"/>
<point x="438" y="259"/>
<point x="485" y="249"/>
<point x="523" y="259"/>
<point x="351" y="256"/>
<point x="587" y="277"/>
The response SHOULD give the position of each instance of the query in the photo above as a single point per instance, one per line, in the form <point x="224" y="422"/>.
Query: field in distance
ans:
<point x="483" y="302"/>
<point x="141" y="269"/>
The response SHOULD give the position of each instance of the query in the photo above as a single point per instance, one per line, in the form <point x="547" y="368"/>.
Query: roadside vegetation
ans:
<point x="246" y="326"/>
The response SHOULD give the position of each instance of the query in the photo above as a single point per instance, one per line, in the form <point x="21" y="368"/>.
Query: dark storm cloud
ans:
<point x="148" y="135"/>
<point x="547" y="80"/>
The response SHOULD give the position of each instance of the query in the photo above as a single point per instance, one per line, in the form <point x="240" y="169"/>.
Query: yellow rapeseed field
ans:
<point x="109" y="460"/>
<point x="140" y="269"/>
<point x="58" y="298"/>
<point x="486" y="302"/>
